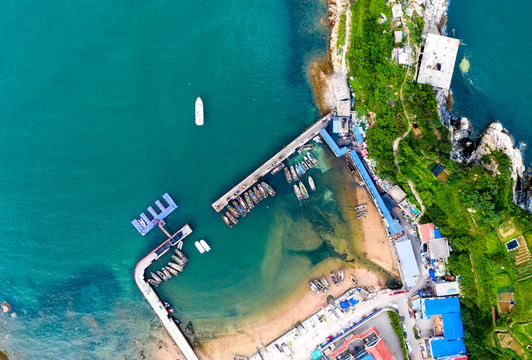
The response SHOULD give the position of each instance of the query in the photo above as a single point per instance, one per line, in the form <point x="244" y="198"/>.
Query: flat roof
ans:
<point x="397" y="193"/>
<point x="332" y="144"/>
<point x="437" y="62"/>
<point x="439" y="248"/>
<point x="426" y="231"/>
<point x="408" y="262"/>
<point x="442" y="348"/>
<point x="446" y="288"/>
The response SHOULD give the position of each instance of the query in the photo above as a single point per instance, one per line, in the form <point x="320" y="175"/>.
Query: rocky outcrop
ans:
<point x="435" y="11"/>
<point x="463" y="145"/>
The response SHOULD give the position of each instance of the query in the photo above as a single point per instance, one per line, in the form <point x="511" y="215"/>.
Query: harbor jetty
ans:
<point x="271" y="164"/>
<point x="147" y="290"/>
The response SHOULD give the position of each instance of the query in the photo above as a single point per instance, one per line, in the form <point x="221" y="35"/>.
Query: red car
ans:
<point x="329" y="338"/>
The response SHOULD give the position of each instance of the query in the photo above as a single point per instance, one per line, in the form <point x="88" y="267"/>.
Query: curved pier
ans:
<point x="154" y="300"/>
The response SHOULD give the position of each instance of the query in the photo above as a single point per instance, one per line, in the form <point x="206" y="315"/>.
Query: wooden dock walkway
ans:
<point x="154" y="300"/>
<point x="269" y="165"/>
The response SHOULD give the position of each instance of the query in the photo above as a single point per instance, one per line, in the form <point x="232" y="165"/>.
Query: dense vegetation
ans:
<point x="469" y="207"/>
<point x="341" y="31"/>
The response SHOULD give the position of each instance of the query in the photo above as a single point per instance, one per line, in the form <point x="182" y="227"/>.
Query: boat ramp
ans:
<point x="271" y="164"/>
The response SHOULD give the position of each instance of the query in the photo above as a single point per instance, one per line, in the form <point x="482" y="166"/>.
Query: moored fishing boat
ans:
<point x="307" y="147"/>
<point x="253" y="196"/>
<point x="153" y="282"/>
<point x="277" y="168"/>
<point x="268" y="188"/>
<point x="362" y="214"/>
<point x="341" y="275"/>
<point x="231" y="217"/>
<point x="303" y="189"/>
<point x="287" y="175"/>
<point x="166" y="272"/>
<point x="257" y="193"/>
<point x="175" y="266"/>
<point x="226" y="221"/>
<point x="238" y="208"/>
<point x="311" y="183"/>
<point x="312" y="158"/>
<point x="305" y="166"/>
<point x="353" y="279"/>
<point x="263" y="192"/>
<point x="325" y="283"/>
<point x="299" y="170"/>
<point x="309" y="163"/>
<point x="293" y="172"/>
<point x="298" y="192"/>
<point x="178" y="260"/>
<point x="250" y="203"/>
<point x="162" y="275"/>
<point x="172" y="270"/>
<point x="181" y="255"/>
<point x="155" y="277"/>
<point x="334" y="278"/>
<point x="303" y="171"/>
<point x="319" y="285"/>
<point x="233" y="210"/>
<point x="190" y="329"/>
<point x="360" y="207"/>
<point x="313" y="287"/>
<point x="242" y="203"/>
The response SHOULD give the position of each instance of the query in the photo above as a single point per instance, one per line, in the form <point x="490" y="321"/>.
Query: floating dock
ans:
<point x="157" y="218"/>
<point x="269" y="165"/>
<point x="152" y="297"/>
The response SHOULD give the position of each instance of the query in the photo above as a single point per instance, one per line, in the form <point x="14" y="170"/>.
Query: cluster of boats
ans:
<point x="322" y="285"/>
<point x="246" y="202"/>
<point x="295" y="173"/>
<point x="361" y="213"/>
<point x="173" y="268"/>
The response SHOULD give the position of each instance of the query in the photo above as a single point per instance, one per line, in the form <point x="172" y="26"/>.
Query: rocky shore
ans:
<point x="466" y="148"/>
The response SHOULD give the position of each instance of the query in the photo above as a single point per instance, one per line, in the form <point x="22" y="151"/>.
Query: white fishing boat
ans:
<point x="199" y="247"/>
<point x="311" y="183"/>
<point x="199" y="111"/>
<point x="205" y="245"/>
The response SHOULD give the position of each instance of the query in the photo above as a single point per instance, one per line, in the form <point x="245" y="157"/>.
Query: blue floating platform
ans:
<point x="144" y="224"/>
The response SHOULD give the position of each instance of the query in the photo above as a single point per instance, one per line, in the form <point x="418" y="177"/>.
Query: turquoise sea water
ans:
<point x="98" y="122"/>
<point x="497" y="86"/>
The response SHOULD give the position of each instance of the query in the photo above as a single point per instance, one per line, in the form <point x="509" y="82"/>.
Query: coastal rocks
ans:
<point x="435" y="11"/>
<point x="523" y="192"/>
<point x="463" y="145"/>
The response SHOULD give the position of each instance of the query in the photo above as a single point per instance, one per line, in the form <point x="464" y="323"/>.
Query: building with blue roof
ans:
<point x="332" y="144"/>
<point x="394" y="227"/>
<point x="358" y="134"/>
<point x="448" y="326"/>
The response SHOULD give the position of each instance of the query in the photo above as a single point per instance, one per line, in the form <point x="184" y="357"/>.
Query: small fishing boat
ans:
<point x="287" y="175"/>
<point x="199" y="111"/>
<point x="242" y="203"/>
<point x="262" y="191"/>
<point x="353" y="279"/>
<point x="294" y="173"/>
<point x="250" y="203"/>
<point x="226" y="221"/>
<point x="350" y="168"/>
<point x="312" y="287"/>
<point x="311" y="183"/>
<point x="299" y="170"/>
<point x="277" y="168"/>
<point x="305" y="166"/>
<point x="362" y="214"/>
<point x="325" y="283"/>
<point x="181" y="255"/>
<point x="168" y="306"/>
<point x="172" y="270"/>
<point x="155" y="277"/>
<point x="199" y="247"/>
<point x="298" y="192"/>
<point x="142" y="222"/>
<point x="190" y="329"/>
<point x="177" y="260"/>
<point x="175" y="266"/>
<point x="258" y="193"/>
<point x="319" y="285"/>
<point x="205" y="245"/>
<point x="166" y="272"/>
<point x="180" y="244"/>
<point x="153" y="282"/>
<point x="303" y="189"/>
<point x="312" y="158"/>
<point x="341" y="275"/>
<point x="307" y="147"/>
<point x="176" y="320"/>
<point x="238" y="208"/>
<point x="231" y="217"/>
<point x="232" y="210"/>
<point x="268" y="188"/>
<point x="309" y="163"/>
<point x="334" y="278"/>
<point x="253" y="196"/>
<point x="360" y="207"/>
<point x="162" y="275"/>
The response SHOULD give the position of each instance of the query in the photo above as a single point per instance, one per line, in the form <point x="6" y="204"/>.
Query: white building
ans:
<point x="397" y="11"/>
<point x="437" y="62"/>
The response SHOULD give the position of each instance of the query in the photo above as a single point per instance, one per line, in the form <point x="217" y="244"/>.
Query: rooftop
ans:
<point x="397" y="193"/>
<point x="439" y="248"/>
<point x="437" y="63"/>
<point x="408" y="262"/>
<point x="426" y="231"/>
<point x="446" y="288"/>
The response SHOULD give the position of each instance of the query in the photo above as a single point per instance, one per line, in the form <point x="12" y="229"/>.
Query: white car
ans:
<point x="408" y="346"/>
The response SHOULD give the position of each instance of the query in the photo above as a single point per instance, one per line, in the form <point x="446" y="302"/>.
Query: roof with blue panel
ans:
<point x="332" y="144"/>
<point x="368" y="356"/>
<point x="440" y="306"/>
<point x="452" y="326"/>
<point x="393" y="225"/>
<point x="437" y="233"/>
<point x="358" y="134"/>
<point x="442" y="348"/>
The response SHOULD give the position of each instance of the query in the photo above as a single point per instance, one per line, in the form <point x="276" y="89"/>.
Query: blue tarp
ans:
<point x="334" y="147"/>
<point x="437" y="234"/>
<point x="344" y="304"/>
<point x="317" y="354"/>
<point x="442" y="348"/>
<point x="358" y="134"/>
<point x="432" y="274"/>
<point x="393" y="225"/>
<point x="353" y="302"/>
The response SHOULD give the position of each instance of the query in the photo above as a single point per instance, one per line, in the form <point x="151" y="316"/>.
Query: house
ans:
<point x="403" y="55"/>
<point x="397" y="194"/>
<point x="398" y="36"/>
<point x="427" y="232"/>
<point x="445" y="288"/>
<point x="439" y="249"/>
<point x="397" y="11"/>
<point x="437" y="62"/>
<point x="367" y="346"/>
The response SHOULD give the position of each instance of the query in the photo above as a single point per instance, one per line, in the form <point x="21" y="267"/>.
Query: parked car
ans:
<point x="408" y="346"/>
<point x="329" y="338"/>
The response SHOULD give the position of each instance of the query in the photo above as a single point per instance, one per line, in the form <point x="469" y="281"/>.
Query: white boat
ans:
<point x="205" y="245"/>
<point x="311" y="183"/>
<point x="180" y="244"/>
<point x="199" y="111"/>
<point x="199" y="247"/>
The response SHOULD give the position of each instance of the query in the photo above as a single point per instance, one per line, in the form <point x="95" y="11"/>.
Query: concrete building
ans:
<point x="408" y="262"/>
<point x="446" y="288"/>
<point x="397" y="11"/>
<point x="439" y="249"/>
<point x="365" y="346"/>
<point x="403" y="55"/>
<point x="398" y="36"/>
<point x="397" y="194"/>
<point x="427" y="232"/>
<point x="437" y="62"/>
<point x="342" y="93"/>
